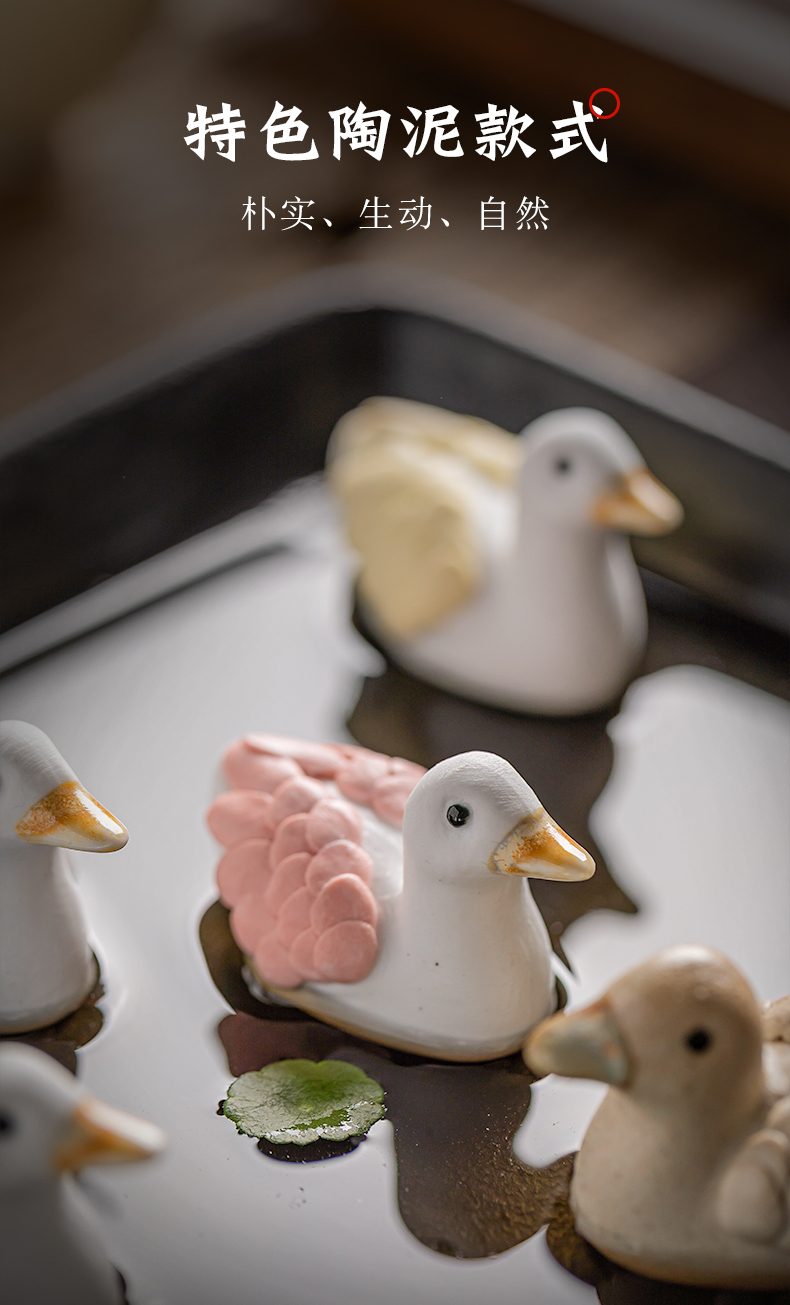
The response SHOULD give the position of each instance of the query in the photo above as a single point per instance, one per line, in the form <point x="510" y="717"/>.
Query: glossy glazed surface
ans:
<point x="267" y="646"/>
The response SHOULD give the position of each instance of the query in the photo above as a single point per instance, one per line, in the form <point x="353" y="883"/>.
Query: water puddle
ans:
<point x="461" y="1190"/>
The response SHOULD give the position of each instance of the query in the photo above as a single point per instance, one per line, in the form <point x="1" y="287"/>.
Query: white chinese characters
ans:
<point x="437" y="123"/>
<point x="573" y="132"/>
<point x="285" y="128"/>
<point x="414" y="214"/>
<point x="532" y="210"/>
<point x="492" y="214"/>
<point x="373" y="215"/>
<point x="296" y="211"/>
<point x="364" y="129"/>
<point x="531" y="214"/>
<point x="219" y="126"/>
<point x="379" y="214"/>
<point x="499" y="132"/>
<point x="499" y="135"/>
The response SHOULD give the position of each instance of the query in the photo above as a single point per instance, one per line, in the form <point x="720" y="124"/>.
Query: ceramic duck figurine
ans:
<point x="684" y="1172"/>
<point x="391" y="901"/>
<point x="46" y="965"/>
<point x="49" y="1128"/>
<point x="495" y="567"/>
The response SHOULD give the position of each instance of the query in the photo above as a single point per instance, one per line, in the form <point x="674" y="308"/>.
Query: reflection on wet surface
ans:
<point x="63" y="1039"/>
<point x="461" y="1190"/>
<point x="618" y="1286"/>
<point x="566" y="759"/>
<point x="266" y="647"/>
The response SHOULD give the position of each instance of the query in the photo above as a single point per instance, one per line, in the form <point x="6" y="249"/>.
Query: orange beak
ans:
<point x="100" y="1134"/>
<point x="638" y="505"/>
<point x="537" y="847"/>
<point x="70" y="817"/>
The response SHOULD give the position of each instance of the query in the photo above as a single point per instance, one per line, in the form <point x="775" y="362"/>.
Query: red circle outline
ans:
<point x="601" y="116"/>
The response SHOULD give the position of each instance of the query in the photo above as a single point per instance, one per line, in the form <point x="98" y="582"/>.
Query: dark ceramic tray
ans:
<point x="192" y="431"/>
<point x="117" y="478"/>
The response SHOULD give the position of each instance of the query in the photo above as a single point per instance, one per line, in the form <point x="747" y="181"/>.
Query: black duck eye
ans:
<point x="458" y="815"/>
<point x="699" y="1040"/>
<point x="562" y="466"/>
<point x="7" y="1124"/>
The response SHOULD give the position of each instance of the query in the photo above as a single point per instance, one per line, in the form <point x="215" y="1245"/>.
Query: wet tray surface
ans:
<point x="440" y="1202"/>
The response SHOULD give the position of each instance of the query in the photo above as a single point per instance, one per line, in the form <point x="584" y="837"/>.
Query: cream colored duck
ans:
<point x="49" y="1128"/>
<point x="46" y="965"/>
<point x="684" y="1172"/>
<point x="497" y="567"/>
<point x="427" y="939"/>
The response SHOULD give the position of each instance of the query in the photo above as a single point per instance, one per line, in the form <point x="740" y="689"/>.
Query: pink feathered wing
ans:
<point x="295" y="874"/>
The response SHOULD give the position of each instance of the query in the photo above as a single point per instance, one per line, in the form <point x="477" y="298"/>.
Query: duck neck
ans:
<point x="740" y="1106"/>
<point x="543" y="540"/>
<point x="73" y="1268"/>
<point x="46" y="965"/>
<point x="471" y="917"/>
<point x="551" y="557"/>
<point x="30" y="873"/>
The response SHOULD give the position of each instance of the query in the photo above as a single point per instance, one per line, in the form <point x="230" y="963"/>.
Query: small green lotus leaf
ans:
<point x="301" y="1100"/>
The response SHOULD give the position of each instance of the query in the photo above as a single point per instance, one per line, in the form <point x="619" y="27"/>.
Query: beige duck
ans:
<point x="684" y="1172"/>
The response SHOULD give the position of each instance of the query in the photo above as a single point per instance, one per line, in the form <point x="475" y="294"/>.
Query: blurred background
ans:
<point x="674" y="252"/>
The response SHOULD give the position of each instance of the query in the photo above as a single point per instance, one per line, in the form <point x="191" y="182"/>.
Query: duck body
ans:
<point x="84" y="1274"/>
<point x="434" y="988"/>
<point x="50" y="1253"/>
<point x="508" y="580"/>
<point x="503" y="653"/>
<point x="684" y="1172"/>
<point x="444" y="951"/>
<point x="692" y="1246"/>
<point x="41" y="916"/>
<point x="47" y="967"/>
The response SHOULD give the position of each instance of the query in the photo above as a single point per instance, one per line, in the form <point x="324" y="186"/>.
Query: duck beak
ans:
<point x="586" y="1044"/>
<point x="99" y="1134"/>
<point x="70" y="817"/>
<point x="638" y="505"/>
<point x="539" y="848"/>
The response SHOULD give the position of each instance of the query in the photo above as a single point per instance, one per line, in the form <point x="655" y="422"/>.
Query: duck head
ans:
<point x="473" y="815"/>
<point x="41" y="799"/>
<point x="580" y="468"/>
<point x="50" y="1125"/>
<point x="681" y="1031"/>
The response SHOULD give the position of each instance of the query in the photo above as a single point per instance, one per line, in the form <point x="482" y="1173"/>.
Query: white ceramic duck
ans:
<point x="46" y="965"/>
<point x="684" y="1172"/>
<point x="497" y="567"/>
<point x="427" y="939"/>
<point x="49" y="1128"/>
